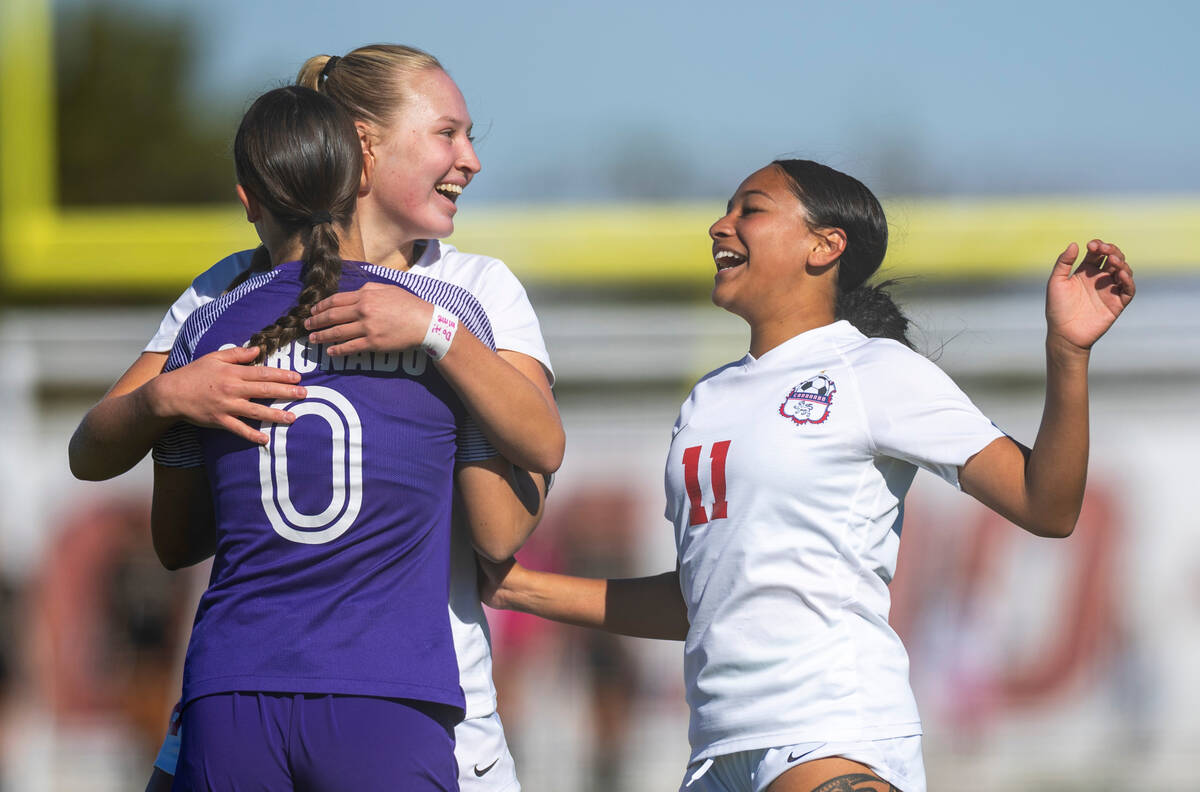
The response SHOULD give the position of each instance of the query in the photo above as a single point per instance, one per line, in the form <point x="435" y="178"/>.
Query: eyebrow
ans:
<point x="729" y="205"/>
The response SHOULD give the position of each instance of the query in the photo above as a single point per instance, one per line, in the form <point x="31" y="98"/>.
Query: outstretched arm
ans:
<point x="215" y="390"/>
<point x="647" y="607"/>
<point x="507" y="392"/>
<point x="1041" y="489"/>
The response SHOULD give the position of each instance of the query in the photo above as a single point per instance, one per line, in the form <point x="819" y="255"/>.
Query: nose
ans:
<point x="468" y="160"/>
<point x="722" y="228"/>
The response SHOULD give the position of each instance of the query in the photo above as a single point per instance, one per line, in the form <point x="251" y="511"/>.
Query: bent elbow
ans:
<point x="496" y="552"/>
<point x="171" y="560"/>
<point x="1052" y="529"/>
<point x="548" y="457"/>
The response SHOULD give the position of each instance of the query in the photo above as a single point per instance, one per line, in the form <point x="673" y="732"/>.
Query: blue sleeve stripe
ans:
<point x="472" y="445"/>
<point x="179" y="447"/>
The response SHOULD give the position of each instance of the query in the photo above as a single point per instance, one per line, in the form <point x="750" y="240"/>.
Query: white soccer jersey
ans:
<point x="514" y="327"/>
<point x="785" y="481"/>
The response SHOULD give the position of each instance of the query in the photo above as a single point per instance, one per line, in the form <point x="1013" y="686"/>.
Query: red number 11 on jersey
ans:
<point x="691" y="479"/>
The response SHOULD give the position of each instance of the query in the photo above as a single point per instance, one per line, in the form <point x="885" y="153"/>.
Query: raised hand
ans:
<point x="1082" y="305"/>
<point x="216" y="390"/>
<point x="377" y="317"/>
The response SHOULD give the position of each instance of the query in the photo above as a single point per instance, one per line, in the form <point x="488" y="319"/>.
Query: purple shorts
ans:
<point x="235" y="741"/>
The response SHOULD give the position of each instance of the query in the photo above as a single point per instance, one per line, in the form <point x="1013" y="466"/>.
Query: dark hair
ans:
<point x="833" y="199"/>
<point x="297" y="153"/>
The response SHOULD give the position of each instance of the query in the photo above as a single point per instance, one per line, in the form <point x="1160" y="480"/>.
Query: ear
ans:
<point x="366" y="138"/>
<point x="828" y="246"/>
<point x="253" y="209"/>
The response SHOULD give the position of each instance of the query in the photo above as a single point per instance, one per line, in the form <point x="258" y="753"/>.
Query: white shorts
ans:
<point x="484" y="761"/>
<point x="896" y="760"/>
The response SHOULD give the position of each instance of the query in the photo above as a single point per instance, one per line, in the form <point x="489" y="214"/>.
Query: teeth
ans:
<point x="727" y="258"/>
<point x="450" y="189"/>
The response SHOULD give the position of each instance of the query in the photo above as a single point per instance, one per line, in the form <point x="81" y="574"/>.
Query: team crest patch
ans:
<point x="809" y="402"/>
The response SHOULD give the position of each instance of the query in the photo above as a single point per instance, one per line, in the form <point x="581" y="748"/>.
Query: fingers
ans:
<point x="236" y="355"/>
<point x="1067" y="258"/>
<point x="263" y="414"/>
<point x="1117" y="268"/>
<point x="339" y="333"/>
<point x="272" y="391"/>
<point x="1096" y="254"/>
<point x="350" y="347"/>
<point x="338" y="300"/>
<point x="333" y="315"/>
<point x="243" y="430"/>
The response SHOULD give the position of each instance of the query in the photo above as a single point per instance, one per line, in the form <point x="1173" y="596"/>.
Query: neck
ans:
<point x="398" y="257"/>
<point x="770" y="331"/>
<point x="350" y="246"/>
<point x="385" y="244"/>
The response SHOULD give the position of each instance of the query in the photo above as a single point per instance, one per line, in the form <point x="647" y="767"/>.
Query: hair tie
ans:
<point x="329" y="66"/>
<point x="317" y="218"/>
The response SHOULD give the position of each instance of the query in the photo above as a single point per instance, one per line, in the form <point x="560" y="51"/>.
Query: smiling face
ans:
<point x="762" y="248"/>
<point x="421" y="162"/>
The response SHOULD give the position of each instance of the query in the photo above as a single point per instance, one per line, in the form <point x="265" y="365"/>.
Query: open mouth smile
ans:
<point x="448" y="190"/>
<point x="727" y="259"/>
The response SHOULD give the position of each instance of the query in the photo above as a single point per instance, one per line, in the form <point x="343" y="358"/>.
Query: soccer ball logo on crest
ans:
<point x="809" y="402"/>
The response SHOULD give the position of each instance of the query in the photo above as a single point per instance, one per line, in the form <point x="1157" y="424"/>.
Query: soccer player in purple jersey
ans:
<point x="321" y="656"/>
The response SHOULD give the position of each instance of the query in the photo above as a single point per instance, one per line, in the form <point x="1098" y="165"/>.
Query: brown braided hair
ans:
<point x="297" y="153"/>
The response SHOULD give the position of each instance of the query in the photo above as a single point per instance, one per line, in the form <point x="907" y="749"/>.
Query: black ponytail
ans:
<point x="833" y="199"/>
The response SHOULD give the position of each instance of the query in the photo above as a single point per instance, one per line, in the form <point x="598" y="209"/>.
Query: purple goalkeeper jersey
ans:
<point x="332" y="561"/>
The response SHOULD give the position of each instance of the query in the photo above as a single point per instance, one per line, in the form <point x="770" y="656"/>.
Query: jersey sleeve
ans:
<point x="206" y="287"/>
<point x="515" y="324"/>
<point x="916" y="413"/>
<point x="472" y="445"/>
<point x="179" y="446"/>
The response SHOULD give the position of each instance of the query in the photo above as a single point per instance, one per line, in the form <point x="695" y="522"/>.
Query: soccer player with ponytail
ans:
<point x="786" y="480"/>
<point x="321" y="656"/>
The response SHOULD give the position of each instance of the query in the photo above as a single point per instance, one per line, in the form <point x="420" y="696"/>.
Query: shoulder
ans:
<point x="484" y="276"/>
<point x="211" y="283"/>
<point x="200" y="321"/>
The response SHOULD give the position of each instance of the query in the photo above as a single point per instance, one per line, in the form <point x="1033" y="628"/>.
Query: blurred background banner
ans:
<point x="611" y="137"/>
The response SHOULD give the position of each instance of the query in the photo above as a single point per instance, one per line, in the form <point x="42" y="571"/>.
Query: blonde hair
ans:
<point x="371" y="82"/>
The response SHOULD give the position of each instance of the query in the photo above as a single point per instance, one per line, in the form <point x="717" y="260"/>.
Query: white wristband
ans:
<point x="442" y="328"/>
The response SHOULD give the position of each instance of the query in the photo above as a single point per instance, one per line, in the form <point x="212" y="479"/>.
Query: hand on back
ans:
<point x="218" y="389"/>
<point x="377" y="317"/>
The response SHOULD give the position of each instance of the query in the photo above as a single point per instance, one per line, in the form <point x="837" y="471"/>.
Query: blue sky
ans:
<point x="604" y="101"/>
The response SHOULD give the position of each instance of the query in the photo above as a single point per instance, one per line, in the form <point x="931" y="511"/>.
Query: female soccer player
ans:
<point x="321" y="656"/>
<point x="786" y="479"/>
<point x="414" y="128"/>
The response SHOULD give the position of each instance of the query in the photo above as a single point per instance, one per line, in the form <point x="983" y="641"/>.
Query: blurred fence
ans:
<point x="1035" y="662"/>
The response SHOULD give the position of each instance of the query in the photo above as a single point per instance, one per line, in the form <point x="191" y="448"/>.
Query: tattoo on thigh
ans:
<point x="856" y="782"/>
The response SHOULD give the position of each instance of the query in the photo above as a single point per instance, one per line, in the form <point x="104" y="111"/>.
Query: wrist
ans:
<point x="152" y="399"/>
<point x="443" y="326"/>
<point x="1063" y="352"/>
